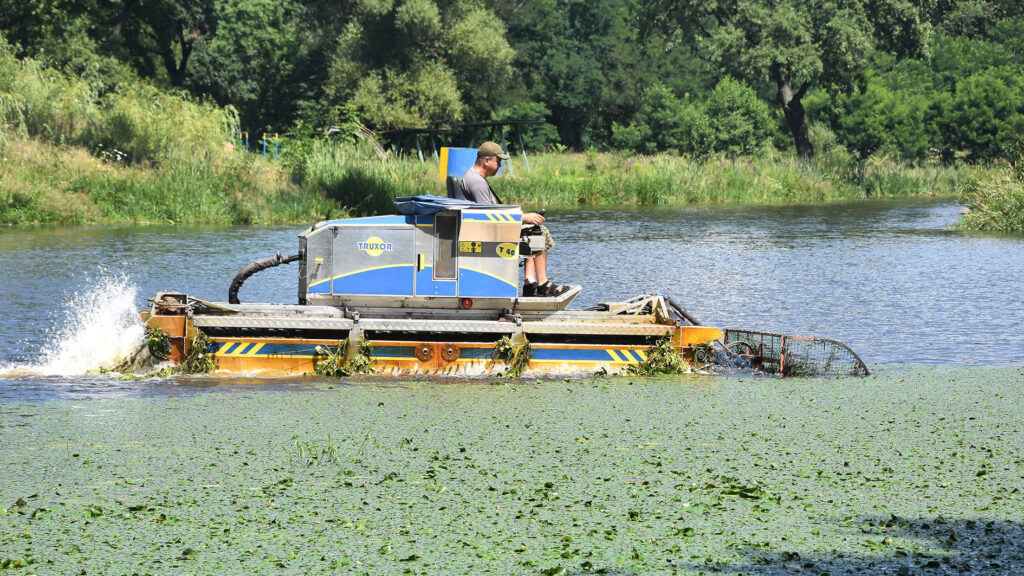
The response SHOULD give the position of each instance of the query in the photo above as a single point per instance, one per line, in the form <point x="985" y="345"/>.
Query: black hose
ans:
<point x="255" y="267"/>
<point x="681" y="312"/>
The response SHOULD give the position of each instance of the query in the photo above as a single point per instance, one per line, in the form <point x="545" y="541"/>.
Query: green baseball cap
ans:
<point x="491" y="149"/>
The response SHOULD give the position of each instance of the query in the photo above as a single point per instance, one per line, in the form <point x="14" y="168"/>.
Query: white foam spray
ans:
<point x="100" y="328"/>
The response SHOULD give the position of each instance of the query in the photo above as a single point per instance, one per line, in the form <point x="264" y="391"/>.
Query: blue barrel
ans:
<point x="456" y="162"/>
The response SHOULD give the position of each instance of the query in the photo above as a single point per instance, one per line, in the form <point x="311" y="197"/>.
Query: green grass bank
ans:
<point x="42" y="182"/>
<point x="76" y="151"/>
<point x="912" y="470"/>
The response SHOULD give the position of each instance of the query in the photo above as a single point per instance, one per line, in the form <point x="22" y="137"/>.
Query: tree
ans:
<point x="410" y="64"/>
<point x="969" y="18"/>
<point x="581" y="59"/>
<point x="249" y="58"/>
<point x="69" y="35"/>
<point x="791" y="43"/>
<point x="730" y="121"/>
<point x="985" y="116"/>
<point x="163" y="33"/>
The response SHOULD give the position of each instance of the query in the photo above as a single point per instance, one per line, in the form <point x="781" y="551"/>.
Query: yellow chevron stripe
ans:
<point x="227" y="346"/>
<point x="254" y="350"/>
<point x="614" y="355"/>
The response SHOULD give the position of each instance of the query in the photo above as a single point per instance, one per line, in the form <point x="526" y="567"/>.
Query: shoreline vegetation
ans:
<point x="996" y="203"/>
<point x="47" y="183"/>
<point x="70" y="155"/>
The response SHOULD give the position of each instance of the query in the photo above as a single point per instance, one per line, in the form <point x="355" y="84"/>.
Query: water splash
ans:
<point x="100" y="328"/>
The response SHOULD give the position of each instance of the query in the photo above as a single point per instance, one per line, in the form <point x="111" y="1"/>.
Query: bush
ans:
<point x="830" y="154"/>
<point x="739" y="121"/>
<point x="984" y="116"/>
<point x="135" y="123"/>
<point x="663" y="122"/>
<point x="149" y="125"/>
<point x="883" y="120"/>
<point x="732" y="122"/>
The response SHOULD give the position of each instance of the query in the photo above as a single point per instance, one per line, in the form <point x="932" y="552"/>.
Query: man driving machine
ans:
<point x="476" y="189"/>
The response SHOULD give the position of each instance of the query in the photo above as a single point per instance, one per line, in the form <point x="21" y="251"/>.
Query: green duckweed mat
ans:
<point x="913" y="471"/>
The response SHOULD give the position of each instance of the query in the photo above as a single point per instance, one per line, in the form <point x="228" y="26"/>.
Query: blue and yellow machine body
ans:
<point x="433" y="289"/>
<point x="434" y="259"/>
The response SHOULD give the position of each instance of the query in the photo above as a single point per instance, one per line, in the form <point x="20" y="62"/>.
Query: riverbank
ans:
<point x="358" y="177"/>
<point x="911" y="469"/>
<point x="50" y="184"/>
<point x="41" y="183"/>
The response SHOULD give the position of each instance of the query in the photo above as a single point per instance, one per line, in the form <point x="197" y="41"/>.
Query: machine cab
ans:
<point x="436" y="253"/>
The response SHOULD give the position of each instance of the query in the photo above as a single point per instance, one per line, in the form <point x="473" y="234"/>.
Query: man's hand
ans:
<point x="533" y="218"/>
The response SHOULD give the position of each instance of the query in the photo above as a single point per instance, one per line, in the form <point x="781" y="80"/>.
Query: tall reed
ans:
<point x="614" y="179"/>
<point x="366" y="183"/>
<point x="882" y="176"/>
<point x="996" y="202"/>
<point x="362" y="181"/>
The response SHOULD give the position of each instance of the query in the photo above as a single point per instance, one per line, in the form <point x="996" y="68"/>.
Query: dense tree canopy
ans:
<point x="918" y="79"/>
<point x="793" y="44"/>
<point x="411" y="64"/>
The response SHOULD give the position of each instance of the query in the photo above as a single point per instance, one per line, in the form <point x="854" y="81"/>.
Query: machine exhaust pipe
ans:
<point x="255" y="267"/>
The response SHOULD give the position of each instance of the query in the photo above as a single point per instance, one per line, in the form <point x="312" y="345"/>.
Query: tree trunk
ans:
<point x="176" y="68"/>
<point x="792" y="107"/>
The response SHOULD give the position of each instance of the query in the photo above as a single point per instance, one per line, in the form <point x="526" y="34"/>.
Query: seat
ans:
<point x="454" y="185"/>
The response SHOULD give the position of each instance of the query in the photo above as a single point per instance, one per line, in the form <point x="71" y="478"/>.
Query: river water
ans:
<point x="890" y="278"/>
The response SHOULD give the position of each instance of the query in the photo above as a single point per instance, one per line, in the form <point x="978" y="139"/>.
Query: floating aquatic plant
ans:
<point x="515" y="355"/>
<point x="158" y="342"/>
<point x="142" y="362"/>
<point x="198" y="360"/>
<point x="703" y="355"/>
<point x="331" y="362"/>
<point x="310" y="453"/>
<point x="662" y="358"/>
<point x="335" y="362"/>
<point x="364" y="362"/>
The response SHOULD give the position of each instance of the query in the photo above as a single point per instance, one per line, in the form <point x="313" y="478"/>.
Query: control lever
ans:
<point x="528" y="232"/>
<point x="535" y="229"/>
